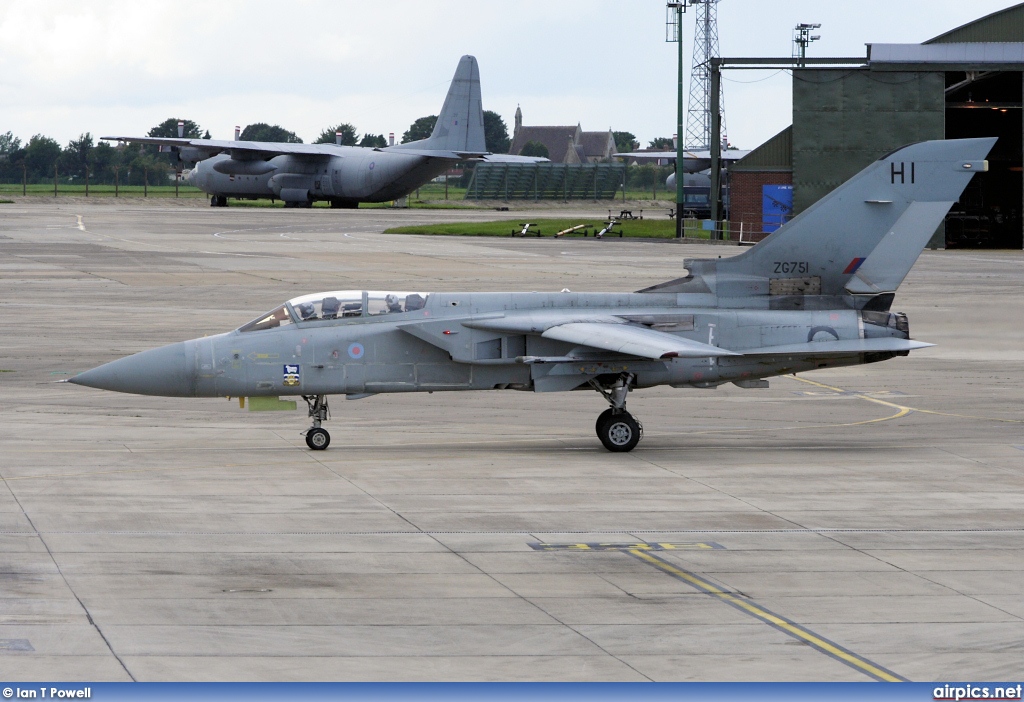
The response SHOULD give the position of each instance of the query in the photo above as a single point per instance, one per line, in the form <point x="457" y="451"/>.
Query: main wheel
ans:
<point x="620" y="432"/>
<point x="601" y="419"/>
<point x="318" y="439"/>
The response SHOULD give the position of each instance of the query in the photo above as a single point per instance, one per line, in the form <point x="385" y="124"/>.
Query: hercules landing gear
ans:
<point x="218" y="201"/>
<point x="317" y="437"/>
<point x="617" y="429"/>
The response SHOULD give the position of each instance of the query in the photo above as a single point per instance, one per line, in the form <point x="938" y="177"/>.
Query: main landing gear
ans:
<point x="617" y="429"/>
<point x="218" y="201"/>
<point x="317" y="437"/>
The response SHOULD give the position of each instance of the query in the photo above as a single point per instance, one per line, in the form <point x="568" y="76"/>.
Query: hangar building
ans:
<point x="964" y="83"/>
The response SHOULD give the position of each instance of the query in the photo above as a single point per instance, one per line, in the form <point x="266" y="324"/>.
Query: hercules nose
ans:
<point x="164" y="371"/>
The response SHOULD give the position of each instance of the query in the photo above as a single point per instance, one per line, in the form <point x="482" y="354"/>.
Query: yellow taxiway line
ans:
<point x="786" y="626"/>
<point x="903" y="410"/>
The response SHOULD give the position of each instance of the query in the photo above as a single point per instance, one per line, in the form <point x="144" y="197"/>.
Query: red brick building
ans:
<point x="769" y="164"/>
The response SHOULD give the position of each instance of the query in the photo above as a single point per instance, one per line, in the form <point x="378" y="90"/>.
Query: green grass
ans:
<point x="435" y="191"/>
<point x="6" y="202"/>
<point x="429" y="196"/>
<point x="46" y="189"/>
<point x="267" y="203"/>
<point x="661" y="228"/>
<point x="323" y="204"/>
<point x="432" y="192"/>
<point x="429" y="205"/>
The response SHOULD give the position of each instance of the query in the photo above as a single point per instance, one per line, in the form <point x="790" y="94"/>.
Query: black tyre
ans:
<point x="620" y="432"/>
<point x="601" y="419"/>
<point x="318" y="439"/>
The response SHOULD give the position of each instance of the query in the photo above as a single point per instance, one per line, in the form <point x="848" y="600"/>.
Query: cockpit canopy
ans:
<point x="339" y="304"/>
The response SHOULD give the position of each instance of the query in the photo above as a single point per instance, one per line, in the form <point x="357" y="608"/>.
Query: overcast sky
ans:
<point x="122" y="66"/>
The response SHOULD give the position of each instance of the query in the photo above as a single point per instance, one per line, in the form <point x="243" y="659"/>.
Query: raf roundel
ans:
<point x="483" y="345"/>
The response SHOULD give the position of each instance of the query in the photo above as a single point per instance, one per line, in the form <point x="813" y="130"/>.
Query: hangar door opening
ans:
<point x="991" y="211"/>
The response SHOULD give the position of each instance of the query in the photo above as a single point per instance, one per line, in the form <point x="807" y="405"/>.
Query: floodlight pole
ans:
<point x="802" y="39"/>
<point x="716" y="146"/>
<point x="680" y="198"/>
<point x="676" y="8"/>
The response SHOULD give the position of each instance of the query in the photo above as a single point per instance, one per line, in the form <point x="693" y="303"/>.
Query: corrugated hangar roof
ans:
<point x="1004" y="25"/>
<point x="949" y="53"/>
<point x="776" y="154"/>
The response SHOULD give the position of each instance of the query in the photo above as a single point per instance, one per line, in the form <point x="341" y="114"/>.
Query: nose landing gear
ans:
<point x="317" y="437"/>
<point x="617" y="429"/>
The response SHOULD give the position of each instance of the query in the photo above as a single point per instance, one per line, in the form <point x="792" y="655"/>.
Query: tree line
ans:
<point x="42" y="159"/>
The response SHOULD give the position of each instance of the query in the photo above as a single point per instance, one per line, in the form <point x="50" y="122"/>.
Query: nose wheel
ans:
<point x="317" y="437"/>
<point x="618" y="430"/>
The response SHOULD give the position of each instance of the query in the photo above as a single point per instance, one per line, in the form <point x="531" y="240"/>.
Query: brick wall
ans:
<point x="745" y="201"/>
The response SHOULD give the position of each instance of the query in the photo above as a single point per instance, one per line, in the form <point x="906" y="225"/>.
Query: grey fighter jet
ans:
<point x="814" y="294"/>
<point x="298" y="174"/>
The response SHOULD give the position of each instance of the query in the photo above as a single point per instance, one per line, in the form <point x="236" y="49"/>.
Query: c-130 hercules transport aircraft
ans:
<point x="814" y="294"/>
<point x="298" y="174"/>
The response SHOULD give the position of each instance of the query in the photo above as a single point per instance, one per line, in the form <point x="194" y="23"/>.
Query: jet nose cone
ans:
<point x="163" y="371"/>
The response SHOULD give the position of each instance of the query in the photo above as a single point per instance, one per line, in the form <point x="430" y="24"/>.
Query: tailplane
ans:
<point x="862" y="238"/>
<point x="460" y="125"/>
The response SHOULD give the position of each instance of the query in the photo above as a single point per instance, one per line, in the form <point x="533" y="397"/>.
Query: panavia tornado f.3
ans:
<point x="814" y="294"/>
<point x="298" y="174"/>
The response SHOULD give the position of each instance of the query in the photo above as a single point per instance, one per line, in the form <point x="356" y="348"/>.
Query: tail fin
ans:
<point x="863" y="237"/>
<point x="460" y="125"/>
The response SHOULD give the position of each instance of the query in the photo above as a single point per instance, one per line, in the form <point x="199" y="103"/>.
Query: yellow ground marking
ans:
<point x="901" y="412"/>
<point x="904" y="410"/>
<point x="791" y="628"/>
<point x="689" y="545"/>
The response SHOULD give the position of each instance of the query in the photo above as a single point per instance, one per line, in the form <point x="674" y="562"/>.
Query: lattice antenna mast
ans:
<point x="705" y="47"/>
